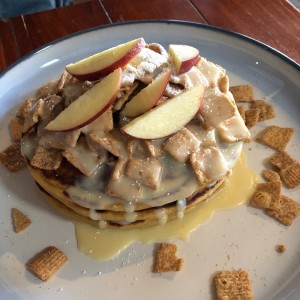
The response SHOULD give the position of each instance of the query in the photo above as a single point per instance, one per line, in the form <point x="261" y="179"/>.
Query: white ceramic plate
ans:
<point x="239" y="238"/>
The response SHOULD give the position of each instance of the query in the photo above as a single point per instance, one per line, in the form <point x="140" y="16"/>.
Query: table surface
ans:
<point x="274" y="22"/>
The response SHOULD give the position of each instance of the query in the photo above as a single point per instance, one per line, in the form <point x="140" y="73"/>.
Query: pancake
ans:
<point x="98" y="174"/>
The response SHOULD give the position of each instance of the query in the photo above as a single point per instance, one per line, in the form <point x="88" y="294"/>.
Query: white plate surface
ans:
<point x="238" y="238"/>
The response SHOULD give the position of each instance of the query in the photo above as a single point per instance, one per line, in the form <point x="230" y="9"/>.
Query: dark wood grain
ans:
<point x="8" y="45"/>
<point x="275" y="22"/>
<point x="47" y="26"/>
<point x="120" y="10"/>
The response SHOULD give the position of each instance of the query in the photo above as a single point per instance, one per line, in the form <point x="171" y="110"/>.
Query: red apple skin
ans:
<point x="188" y="64"/>
<point x="118" y="64"/>
<point x="154" y="101"/>
<point x="98" y="114"/>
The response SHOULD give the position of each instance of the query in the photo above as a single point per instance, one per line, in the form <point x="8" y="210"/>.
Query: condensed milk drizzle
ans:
<point x="108" y="243"/>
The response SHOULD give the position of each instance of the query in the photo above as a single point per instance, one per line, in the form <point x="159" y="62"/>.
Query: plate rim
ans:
<point x="285" y="58"/>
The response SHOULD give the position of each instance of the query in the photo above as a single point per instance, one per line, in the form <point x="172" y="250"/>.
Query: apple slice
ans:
<point x="184" y="57"/>
<point x="147" y="97"/>
<point x="167" y="118"/>
<point x="105" y="62"/>
<point x="90" y="105"/>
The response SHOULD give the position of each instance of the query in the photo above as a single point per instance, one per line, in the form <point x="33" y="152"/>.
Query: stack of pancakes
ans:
<point x="87" y="173"/>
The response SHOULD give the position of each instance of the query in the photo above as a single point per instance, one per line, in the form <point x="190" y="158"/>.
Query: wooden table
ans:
<point x="274" y="22"/>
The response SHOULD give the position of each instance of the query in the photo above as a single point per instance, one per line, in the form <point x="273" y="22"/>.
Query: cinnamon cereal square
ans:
<point x="276" y="137"/>
<point x="47" y="263"/>
<point x="270" y="175"/>
<point x="266" y="110"/>
<point x="12" y="158"/>
<point x="166" y="259"/>
<point x="288" y="211"/>
<point x="290" y="176"/>
<point x="242" y="93"/>
<point x="267" y="195"/>
<point x="233" y="285"/>
<point x="251" y="117"/>
<point x="46" y="158"/>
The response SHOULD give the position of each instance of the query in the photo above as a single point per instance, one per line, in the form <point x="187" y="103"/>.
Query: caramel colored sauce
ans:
<point x="104" y="244"/>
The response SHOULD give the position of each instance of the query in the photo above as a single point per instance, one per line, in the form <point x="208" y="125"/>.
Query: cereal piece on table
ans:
<point x="19" y="220"/>
<point x="290" y="176"/>
<point x="12" y="158"/>
<point x="166" y="260"/>
<point x="242" y="112"/>
<point x="287" y="212"/>
<point x="15" y="126"/>
<point x="276" y="137"/>
<point x="251" y="116"/>
<point x="242" y="93"/>
<point x="270" y="175"/>
<point x="46" y="158"/>
<point x="267" y="195"/>
<point x="267" y="111"/>
<point x="47" y="262"/>
<point x="281" y="160"/>
<point x="233" y="285"/>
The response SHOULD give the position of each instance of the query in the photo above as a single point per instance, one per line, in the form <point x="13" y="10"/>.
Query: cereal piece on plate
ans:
<point x="25" y="108"/>
<point x="270" y="175"/>
<point x="19" y="220"/>
<point x="47" y="262"/>
<point x="287" y="212"/>
<point x="281" y="160"/>
<point x="166" y="259"/>
<point x="233" y="285"/>
<point x="251" y="116"/>
<point x="12" y="158"/>
<point x="290" y="176"/>
<point x="267" y="111"/>
<point x="276" y="137"/>
<point x="46" y="158"/>
<point x="242" y="112"/>
<point x="242" y="93"/>
<point x="267" y="195"/>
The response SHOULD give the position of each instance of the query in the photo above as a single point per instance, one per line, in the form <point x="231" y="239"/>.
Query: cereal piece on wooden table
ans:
<point x="242" y="93"/>
<point x="267" y="195"/>
<point x="166" y="260"/>
<point x="267" y="111"/>
<point x="12" y="158"/>
<point x="287" y="211"/>
<point x="233" y="285"/>
<point x="270" y="175"/>
<point x="276" y="137"/>
<point x="19" y="220"/>
<point x="47" y="263"/>
<point x="251" y="117"/>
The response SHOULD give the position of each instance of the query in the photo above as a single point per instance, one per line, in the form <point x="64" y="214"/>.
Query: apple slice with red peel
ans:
<point x="105" y="62"/>
<point x="90" y="105"/>
<point x="147" y="97"/>
<point x="184" y="57"/>
<point x="168" y="117"/>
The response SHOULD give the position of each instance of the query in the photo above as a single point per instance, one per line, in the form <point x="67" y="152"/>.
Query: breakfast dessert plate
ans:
<point x="239" y="238"/>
